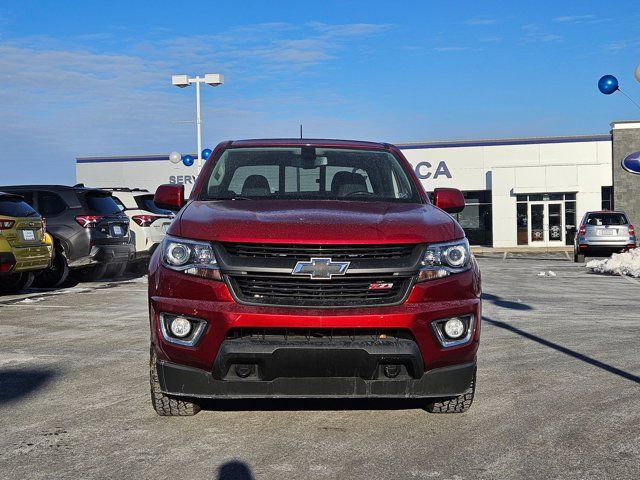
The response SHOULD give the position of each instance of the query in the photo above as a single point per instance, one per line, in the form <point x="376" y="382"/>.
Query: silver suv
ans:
<point x="602" y="233"/>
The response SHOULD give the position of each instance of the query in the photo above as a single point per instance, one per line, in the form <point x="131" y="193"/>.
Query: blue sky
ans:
<point x="93" y="78"/>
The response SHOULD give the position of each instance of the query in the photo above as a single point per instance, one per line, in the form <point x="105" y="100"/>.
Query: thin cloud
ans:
<point x="580" y="19"/>
<point x="534" y="33"/>
<point x="480" y="21"/>
<point x="61" y="99"/>
<point x="452" y="48"/>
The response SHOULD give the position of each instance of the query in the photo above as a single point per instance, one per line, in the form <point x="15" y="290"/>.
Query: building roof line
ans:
<point x="403" y="146"/>
<point x="505" y="141"/>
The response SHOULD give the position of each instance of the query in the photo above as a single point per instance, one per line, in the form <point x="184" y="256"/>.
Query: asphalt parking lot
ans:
<point x="557" y="396"/>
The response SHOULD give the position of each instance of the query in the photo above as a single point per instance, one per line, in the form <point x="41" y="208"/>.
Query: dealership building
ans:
<point x="520" y="192"/>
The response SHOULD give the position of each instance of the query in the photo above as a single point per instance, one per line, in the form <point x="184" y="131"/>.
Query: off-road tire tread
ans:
<point x="164" y="405"/>
<point x="459" y="404"/>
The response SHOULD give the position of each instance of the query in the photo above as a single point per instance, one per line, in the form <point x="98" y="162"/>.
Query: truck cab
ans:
<point x="312" y="268"/>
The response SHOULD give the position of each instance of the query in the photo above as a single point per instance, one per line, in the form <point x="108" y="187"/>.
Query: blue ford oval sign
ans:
<point x="631" y="163"/>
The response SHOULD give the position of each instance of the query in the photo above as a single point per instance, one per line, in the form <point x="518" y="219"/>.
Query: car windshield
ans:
<point x="102" y="204"/>
<point x="14" y="207"/>
<point x="309" y="173"/>
<point x="608" y="218"/>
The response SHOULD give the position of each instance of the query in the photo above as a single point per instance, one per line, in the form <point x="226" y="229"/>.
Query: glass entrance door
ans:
<point x="546" y="224"/>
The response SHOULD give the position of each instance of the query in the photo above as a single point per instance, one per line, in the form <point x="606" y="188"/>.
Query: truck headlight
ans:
<point x="443" y="259"/>
<point x="190" y="256"/>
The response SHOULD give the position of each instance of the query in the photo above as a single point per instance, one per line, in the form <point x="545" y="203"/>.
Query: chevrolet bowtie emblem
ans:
<point x="320" y="268"/>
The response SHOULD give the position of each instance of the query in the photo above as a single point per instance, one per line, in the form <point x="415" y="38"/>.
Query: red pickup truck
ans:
<point x="312" y="268"/>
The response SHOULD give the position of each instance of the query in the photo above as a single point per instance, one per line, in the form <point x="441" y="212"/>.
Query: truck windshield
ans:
<point x="309" y="173"/>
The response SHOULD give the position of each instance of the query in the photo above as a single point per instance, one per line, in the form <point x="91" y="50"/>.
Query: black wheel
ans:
<point x="91" y="274"/>
<point x="578" y="257"/>
<point x="459" y="404"/>
<point x="14" y="282"/>
<point x="164" y="405"/>
<point x="56" y="274"/>
<point x="116" y="270"/>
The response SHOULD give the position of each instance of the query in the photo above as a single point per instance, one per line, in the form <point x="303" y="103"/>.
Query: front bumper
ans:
<point x="179" y="380"/>
<point x="172" y="292"/>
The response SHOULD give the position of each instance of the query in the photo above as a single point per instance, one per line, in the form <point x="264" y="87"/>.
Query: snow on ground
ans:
<point x="627" y="263"/>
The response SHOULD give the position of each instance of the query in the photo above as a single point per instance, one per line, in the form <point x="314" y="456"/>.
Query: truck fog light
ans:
<point x="454" y="328"/>
<point x="180" y="327"/>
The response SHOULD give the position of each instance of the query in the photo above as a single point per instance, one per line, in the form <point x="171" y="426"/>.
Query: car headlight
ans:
<point x="190" y="256"/>
<point x="443" y="259"/>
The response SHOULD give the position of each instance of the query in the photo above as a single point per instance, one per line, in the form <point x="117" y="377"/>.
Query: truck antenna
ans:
<point x="300" y="130"/>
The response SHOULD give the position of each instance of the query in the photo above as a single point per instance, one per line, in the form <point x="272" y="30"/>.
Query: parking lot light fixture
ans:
<point x="182" y="81"/>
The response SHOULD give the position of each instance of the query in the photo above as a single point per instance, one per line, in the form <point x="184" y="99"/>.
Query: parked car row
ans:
<point x="89" y="232"/>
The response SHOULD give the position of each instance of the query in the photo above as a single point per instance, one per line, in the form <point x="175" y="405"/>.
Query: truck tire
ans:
<point x="91" y="274"/>
<point x="459" y="404"/>
<point x="15" y="282"/>
<point x="55" y="275"/>
<point x="164" y="405"/>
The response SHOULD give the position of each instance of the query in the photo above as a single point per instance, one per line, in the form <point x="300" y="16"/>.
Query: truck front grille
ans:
<point x="304" y="252"/>
<point x="344" y="291"/>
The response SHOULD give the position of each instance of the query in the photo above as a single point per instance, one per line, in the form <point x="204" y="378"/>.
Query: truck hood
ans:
<point x="314" y="221"/>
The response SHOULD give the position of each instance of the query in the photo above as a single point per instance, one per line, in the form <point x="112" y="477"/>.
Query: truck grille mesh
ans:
<point x="346" y="291"/>
<point x="304" y="252"/>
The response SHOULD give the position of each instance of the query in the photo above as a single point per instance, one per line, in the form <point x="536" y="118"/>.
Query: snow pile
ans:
<point x="550" y="273"/>
<point x="627" y="263"/>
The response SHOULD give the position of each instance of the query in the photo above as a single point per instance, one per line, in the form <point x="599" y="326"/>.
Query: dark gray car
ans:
<point x="602" y="233"/>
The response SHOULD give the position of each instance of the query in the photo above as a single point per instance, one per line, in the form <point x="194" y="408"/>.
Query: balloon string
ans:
<point x="632" y="100"/>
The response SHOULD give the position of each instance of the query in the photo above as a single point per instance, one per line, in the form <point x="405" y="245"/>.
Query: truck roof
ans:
<point x="313" y="142"/>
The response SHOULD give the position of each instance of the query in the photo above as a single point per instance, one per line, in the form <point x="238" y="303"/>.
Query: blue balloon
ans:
<point x="608" y="84"/>
<point x="206" y="153"/>
<point x="188" y="160"/>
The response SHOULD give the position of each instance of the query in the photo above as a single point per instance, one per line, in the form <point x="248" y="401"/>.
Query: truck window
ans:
<point x="324" y="173"/>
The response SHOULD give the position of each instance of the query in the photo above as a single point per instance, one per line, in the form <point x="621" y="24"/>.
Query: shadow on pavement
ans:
<point x="500" y="302"/>
<point x="234" y="470"/>
<point x="565" y="350"/>
<point x="15" y="384"/>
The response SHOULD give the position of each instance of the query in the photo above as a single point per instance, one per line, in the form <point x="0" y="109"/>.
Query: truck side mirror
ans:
<point x="169" y="197"/>
<point x="450" y="200"/>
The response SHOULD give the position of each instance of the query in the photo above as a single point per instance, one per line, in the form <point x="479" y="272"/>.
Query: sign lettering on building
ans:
<point x="424" y="170"/>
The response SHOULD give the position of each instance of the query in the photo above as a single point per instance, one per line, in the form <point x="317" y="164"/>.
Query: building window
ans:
<point x="477" y="218"/>
<point x="522" y="223"/>
<point x="607" y="195"/>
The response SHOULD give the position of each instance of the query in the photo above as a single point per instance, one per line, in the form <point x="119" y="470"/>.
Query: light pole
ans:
<point x="182" y="81"/>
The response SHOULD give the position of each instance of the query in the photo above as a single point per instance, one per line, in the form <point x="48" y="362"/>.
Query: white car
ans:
<point x="148" y="222"/>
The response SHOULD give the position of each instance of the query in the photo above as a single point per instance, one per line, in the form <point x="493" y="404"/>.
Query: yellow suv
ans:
<point x="25" y="247"/>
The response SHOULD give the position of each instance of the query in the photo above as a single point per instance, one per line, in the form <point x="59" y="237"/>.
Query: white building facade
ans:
<point x="527" y="192"/>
